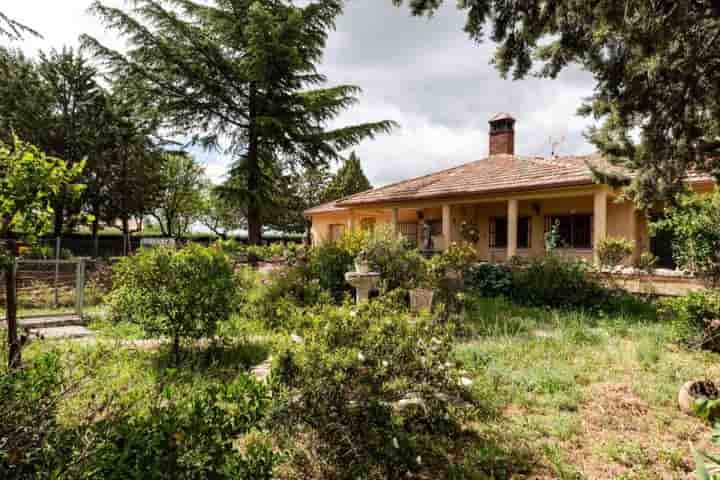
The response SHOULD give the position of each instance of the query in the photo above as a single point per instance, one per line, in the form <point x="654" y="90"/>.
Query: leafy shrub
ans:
<point x="489" y="279"/>
<point x="328" y="263"/>
<point x="189" y="435"/>
<point x="613" y="251"/>
<point x="694" y="223"/>
<point x="371" y="391"/>
<point x="647" y="262"/>
<point x="399" y="265"/>
<point x="695" y="318"/>
<point x="182" y="294"/>
<point x="454" y="262"/>
<point x="38" y="252"/>
<point x="556" y="281"/>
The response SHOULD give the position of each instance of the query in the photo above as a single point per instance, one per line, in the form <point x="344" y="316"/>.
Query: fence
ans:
<point x="48" y="286"/>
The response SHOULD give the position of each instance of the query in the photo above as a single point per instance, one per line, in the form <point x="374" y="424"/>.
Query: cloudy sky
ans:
<point x="423" y="73"/>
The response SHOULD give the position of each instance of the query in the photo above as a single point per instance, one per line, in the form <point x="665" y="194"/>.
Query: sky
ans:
<point x="426" y="74"/>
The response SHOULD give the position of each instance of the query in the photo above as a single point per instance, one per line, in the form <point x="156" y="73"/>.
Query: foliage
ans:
<point x="647" y="262"/>
<point x="179" y="293"/>
<point x="694" y="223"/>
<point x="328" y="263"/>
<point x="181" y="202"/>
<point x="552" y="237"/>
<point x="556" y="281"/>
<point x="348" y="180"/>
<point x="257" y="92"/>
<point x="13" y="29"/>
<point x="470" y="232"/>
<point x="28" y="181"/>
<point x="399" y="265"/>
<point x="177" y="434"/>
<point x="695" y="318"/>
<point x="453" y="261"/>
<point x="218" y="214"/>
<point x="369" y="391"/>
<point x="613" y="251"/>
<point x="39" y="252"/>
<point x="489" y="279"/>
<point x="649" y="60"/>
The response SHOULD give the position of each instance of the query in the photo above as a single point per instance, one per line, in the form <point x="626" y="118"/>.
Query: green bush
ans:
<point x="556" y="281"/>
<point x="181" y="294"/>
<point x="328" y="263"/>
<point x="189" y="435"/>
<point x="613" y="251"/>
<point x="695" y="318"/>
<point x="489" y="279"/>
<point x="370" y="392"/>
<point x="38" y="252"/>
<point x="399" y="264"/>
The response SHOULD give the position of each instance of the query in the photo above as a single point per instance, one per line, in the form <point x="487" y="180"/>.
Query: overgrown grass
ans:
<point x="591" y="395"/>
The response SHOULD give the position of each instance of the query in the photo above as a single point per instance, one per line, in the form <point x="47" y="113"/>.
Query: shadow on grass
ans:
<point x="219" y="360"/>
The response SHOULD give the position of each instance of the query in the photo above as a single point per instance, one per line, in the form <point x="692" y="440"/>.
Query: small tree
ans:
<point x="694" y="223"/>
<point x="181" y="200"/>
<point x="181" y="294"/>
<point x="348" y="180"/>
<point x="612" y="251"/>
<point x="28" y="181"/>
<point x="219" y="214"/>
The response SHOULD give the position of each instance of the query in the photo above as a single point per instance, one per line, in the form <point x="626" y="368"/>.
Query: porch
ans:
<point x="516" y="225"/>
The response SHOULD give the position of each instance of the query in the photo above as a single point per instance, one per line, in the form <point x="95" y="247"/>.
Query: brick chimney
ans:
<point x="502" y="134"/>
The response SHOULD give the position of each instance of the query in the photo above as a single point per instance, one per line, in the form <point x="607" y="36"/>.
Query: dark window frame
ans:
<point x="501" y="241"/>
<point x="576" y="230"/>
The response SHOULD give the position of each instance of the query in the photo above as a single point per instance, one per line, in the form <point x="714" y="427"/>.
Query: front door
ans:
<point x="661" y="247"/>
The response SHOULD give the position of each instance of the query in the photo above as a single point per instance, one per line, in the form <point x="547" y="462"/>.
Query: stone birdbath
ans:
<point x="364" y="283"/>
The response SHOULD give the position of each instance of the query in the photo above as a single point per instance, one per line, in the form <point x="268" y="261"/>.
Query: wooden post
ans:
<point x="14" y="354"/>
<point x="56" y="300"/>
<point x="80" y="286"/>
<point x="394" y="220"/>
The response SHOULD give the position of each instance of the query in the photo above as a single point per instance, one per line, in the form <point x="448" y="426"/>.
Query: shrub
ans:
<point x="613" y="251"/>
<point x="556" y="281"/>
<point x="647" y="262"/>
<point x="189" y="435"/>
<point x="489" y="280"/>
<point x="695" y="318"/>
<point x="182" y="294"/>
<point x="399" y="264"/>
<point x="328" y="263"/>
<point x="38" y="252"/>
<point x="370" y="391"/>
<point x="694" y="223"/>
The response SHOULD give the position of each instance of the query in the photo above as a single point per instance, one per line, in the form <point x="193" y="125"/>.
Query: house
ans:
<point x="512" y="199"/>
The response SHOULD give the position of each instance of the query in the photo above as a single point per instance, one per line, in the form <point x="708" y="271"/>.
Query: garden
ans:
<point x="206" y="367"/>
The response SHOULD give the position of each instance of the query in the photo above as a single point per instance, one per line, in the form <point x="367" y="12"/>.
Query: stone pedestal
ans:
<point x="363" y="284"/>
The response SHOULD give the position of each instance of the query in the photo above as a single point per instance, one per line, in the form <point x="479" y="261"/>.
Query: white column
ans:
<point x="599" y="220"/>
<point x="351" y="221"/>
<point x="394" y="220"/>
<point x="512" y="228"/>
<point x="446" y="226"/>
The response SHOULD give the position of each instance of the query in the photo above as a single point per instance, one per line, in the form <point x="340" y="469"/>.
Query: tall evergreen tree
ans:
<point x="241" y="75"/>
<point x="14" y="30"/>
<point x="348" y="180"/>
<point x="657" y="70"/>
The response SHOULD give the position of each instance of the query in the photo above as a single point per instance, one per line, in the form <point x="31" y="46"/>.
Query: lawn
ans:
<point x="580" y="396"/>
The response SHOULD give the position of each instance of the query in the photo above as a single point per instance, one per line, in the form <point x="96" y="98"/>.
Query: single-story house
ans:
<point x="513" y="200"/>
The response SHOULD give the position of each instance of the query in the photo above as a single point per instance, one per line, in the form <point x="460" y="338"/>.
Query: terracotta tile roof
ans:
<point x="495" y="174"/>
<point x="329" y="207"/>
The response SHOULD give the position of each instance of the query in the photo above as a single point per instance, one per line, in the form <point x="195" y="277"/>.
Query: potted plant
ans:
<point x="362" y="262"/>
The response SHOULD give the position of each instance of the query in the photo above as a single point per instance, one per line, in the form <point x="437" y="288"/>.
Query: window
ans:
<point x="410" y="232"/>
<point x="524" y="235"/>
<point x="336" y="231"/>
<point x="499" y="231"/>
<point x="575" y="230"/>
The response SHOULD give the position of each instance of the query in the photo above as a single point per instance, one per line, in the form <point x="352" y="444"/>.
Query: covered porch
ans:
<point x="516" y="225"/>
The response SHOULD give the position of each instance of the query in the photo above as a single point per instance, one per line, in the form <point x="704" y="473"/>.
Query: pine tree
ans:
<point x="240" y="75"/>
<point x="348" y="180"/>
<point x="657" y="70"/>
<point x="14" y="30"/>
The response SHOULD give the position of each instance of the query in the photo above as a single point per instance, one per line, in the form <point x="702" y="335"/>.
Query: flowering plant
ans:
<point x="470" y="232"/>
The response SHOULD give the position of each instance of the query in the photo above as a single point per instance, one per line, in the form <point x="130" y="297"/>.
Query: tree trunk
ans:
<point x="59" y="219"/>
<point x="176" y="350"/>
<point x="14" y="353"/>
<point x="254" y="217"/>
<point x="95" y="238"/>
<point x="126" y="236"/>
